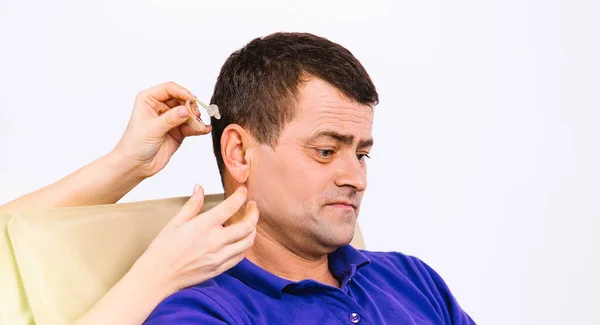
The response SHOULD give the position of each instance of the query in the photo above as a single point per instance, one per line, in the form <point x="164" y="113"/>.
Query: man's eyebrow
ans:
<point x="347" y="139"/>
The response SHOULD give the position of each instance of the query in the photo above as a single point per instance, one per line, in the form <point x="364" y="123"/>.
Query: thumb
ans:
<point x="192" y="207"/>
<point x="171" y="118"/>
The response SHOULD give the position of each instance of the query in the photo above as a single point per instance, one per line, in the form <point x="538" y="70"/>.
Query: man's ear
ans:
<point x="235" y="142"/>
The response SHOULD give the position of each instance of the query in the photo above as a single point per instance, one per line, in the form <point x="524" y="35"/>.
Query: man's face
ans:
<point x="310" y="185"/>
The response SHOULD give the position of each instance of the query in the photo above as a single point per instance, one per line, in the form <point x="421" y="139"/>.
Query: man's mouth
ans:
<point x="342" y="204"/>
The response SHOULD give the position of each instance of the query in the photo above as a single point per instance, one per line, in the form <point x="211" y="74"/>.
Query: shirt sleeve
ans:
<point x="189" y="307"/>
<point x="454" y="314"/>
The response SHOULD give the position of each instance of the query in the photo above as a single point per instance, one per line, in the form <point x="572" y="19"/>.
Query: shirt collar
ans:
<point x="344" y="262"/>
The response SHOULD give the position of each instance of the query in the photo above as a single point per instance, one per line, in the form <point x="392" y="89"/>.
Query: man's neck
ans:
<point x="274" y="257"/>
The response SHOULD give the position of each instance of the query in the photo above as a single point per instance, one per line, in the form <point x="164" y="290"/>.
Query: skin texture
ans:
<point x="309" y="186"/>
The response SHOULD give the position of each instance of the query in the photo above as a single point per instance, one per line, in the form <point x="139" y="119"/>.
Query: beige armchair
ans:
<point x="57" y="263"/>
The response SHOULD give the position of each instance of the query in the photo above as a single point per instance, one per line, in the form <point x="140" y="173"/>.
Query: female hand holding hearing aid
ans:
<point x="156" y="129"/>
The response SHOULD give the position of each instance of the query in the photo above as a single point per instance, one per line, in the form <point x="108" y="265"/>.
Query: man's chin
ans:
<point x="339" y="237"/>
<point x="341" y="217"/>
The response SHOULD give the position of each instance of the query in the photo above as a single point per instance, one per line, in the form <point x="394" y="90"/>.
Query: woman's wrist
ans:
<point x="145" y="275"/>
<point x="123" y="165"/>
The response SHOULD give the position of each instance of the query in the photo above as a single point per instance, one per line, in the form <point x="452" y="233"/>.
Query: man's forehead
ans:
<point x="323" y="111"/>
<point x="319" y="102"/>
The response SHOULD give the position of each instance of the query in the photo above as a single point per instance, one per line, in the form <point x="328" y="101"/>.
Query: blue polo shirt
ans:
<point x="376" y="289"/>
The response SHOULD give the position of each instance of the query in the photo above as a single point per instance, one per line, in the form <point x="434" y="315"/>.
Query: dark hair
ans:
<point x="258" y="85"/>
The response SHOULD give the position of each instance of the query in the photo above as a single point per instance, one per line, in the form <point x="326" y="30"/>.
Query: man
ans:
<point x="297" y="115"/>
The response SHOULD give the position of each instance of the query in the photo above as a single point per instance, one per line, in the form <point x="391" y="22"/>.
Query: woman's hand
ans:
<point x="156" y="128"/>
<point x="192" y="248"/>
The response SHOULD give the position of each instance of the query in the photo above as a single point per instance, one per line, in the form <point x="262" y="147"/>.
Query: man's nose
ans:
<point x="351" y="173"/>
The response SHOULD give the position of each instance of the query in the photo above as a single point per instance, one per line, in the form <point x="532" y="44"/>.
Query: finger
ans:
<point x="174" y="102"/>
<point x="239" y="247"/>
<point x="170" y="119"/>
<point x="242" y="228"/>
<point x="187" y="130"/>
<point x="197" y="125"/>
<point x="158" y="107"/>
<point x="252" y="213"/>
<point x="168" y="90"/>
<point x="177" y="138"/>
<point x="226" y="209"/>
<point x="192" y="207"/>
<point x="228" y="264"/>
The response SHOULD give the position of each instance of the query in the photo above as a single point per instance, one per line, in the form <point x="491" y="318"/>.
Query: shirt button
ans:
<point x="354" y="318"/>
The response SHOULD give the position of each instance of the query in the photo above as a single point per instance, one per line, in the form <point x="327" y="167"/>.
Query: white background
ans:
<point x="487" y="155"/>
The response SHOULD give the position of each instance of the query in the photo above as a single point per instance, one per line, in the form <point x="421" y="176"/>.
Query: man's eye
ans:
<point x="325" y="153"/>
<point x="362" y="156"/>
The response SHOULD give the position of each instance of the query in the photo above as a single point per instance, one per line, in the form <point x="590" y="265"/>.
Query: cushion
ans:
<point x="14" y="309"/>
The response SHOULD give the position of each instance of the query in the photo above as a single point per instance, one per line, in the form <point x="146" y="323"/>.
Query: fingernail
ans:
<point x="182" y="112"/>
<point x="196" y="188"/>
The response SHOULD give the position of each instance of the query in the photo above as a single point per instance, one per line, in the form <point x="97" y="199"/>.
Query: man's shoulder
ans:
<point x="209" y="302"/>
<point x="399" y="267"/>
<point x="217" y="290"/>
<point x="410" y="274"/>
